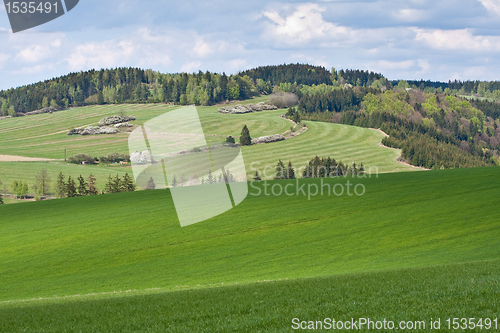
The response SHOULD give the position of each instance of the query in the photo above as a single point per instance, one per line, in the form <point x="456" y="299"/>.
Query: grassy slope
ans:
<point x="463" y="290"/>
<point x="27" y="136"/>
<point x="133" y="240"/>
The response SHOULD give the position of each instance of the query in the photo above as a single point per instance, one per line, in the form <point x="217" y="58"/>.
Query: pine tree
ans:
<point x="361" y="170"/>
<point x="82" y="187"/>
<point x="1" y="199"/>
<point x="280" y="170"/>
<point x="60" y="187"/>
<point x="100" y="98"/>
<point x="230" y="140"/>
<point x="174" y="182"/>
<point x="290" y="172"/>
<point x="245" y="139"/>
<point x="71" y="188"/>
<point x="257" y="178"/>
<point x="92" y="189"/>
<point x="210" y="178"/>
<point x="128" y="184"/>
<point x="116" y="184"/>
<point x="108" y="188"/>
<point x="296" y="118"/>
<point x="151" y="184"/>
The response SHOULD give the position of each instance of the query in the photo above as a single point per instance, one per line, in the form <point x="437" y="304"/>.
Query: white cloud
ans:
<point x="492" y="5"/>
<point x="34" y="53"/>
<point x="191" y="66"/>
<point x="391" y="65"/>
<point x="237" y="64"/>
<point x="409" y="15"/>
<point x="101" y="55"/>
<point x="303" y="25"/>
<point x="3" y="58"/>
<point x="424" y="64"/>
<point x="461" y="39"/>
<point x="34" y="69"/>
<point x="202" y="49"/>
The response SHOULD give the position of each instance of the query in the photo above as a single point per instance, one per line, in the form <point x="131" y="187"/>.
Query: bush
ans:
<point x="114" y="158"/>
<point x="283" y="100"/>
<point x="80" y="158"/>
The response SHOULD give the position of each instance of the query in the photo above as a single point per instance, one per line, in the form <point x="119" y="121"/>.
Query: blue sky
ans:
<point x="414" y="39"/>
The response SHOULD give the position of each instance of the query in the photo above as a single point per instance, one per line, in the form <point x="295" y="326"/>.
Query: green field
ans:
<point x="395" y="251"/>
<point x="26" y="171"/>
<point x="44" y="136"/>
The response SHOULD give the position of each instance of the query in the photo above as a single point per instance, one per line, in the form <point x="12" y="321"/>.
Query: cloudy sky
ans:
<point x="413" y="39"/>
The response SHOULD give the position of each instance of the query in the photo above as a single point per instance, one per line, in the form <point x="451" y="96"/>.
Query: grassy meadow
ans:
<point x="44" y="136"/>
<point x="414" y="245"/>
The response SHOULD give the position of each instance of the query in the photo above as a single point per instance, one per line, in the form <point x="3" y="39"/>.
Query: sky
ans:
<point x="414" y="39"/>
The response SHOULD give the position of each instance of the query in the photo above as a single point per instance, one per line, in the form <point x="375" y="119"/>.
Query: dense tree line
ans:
<point x="490" y="109"/>
<point x="292" y="73"/>
<point x="329" y="167"/>
<point x="338" y="100"/>
<point x="433" y="130"/>
<point x="358" y="77"/>
<point x="424" y="145"/>
<point x="126" y="85"/>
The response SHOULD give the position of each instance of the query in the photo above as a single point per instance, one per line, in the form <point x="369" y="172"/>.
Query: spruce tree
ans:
<point x="151" y="184"/>
<point x="128" y="184"/>
<point x="116" y="184"/>
<point x="257" y="178"/>
<point x="60" y="187"/>
<point x="280" y="170"/>
<point x="245" y="139"/>
<point x="108" y="188"/>
<point x="361" y="170"/>
<point x="100" y="98"/>
<point x="92" y="189"/>
<point x="70" y="188"/>
<point x="290" y="172"/>
<point x="82" y="187"/>
<point x="210" y="178"/>
<point x="174" y="182"/>
<point x="296" y="117"/>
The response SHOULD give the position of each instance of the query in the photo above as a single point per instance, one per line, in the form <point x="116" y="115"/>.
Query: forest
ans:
<point x="436" y="124"/>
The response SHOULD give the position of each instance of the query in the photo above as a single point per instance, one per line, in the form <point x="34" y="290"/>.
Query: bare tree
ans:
<point x="283" y="100"/>
<point x="42" y="181"/>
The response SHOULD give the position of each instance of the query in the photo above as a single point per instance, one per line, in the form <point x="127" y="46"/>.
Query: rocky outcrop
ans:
<point x="268" y="139"/>
<point x="92" y="130"/>
<point x="115" y="120"/>
<point x="238" y="108"/>
<point x="123" y="125"/>
<point x="49" y="109"/>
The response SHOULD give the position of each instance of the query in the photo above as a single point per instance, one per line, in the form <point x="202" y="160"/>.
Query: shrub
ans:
<point x="114" y="158"/>
<point x="80" y="158"/>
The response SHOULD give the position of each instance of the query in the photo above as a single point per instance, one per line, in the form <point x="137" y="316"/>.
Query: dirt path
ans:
<point x="11" y="158"/>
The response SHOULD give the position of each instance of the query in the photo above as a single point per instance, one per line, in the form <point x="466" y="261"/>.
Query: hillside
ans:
<point x="45" y="136"/>
<point x="132" y="241"/>
<point x="105" y="243"/>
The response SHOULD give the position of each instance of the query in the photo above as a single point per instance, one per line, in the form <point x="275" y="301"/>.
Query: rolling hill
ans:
<point x="412" y="237"/>
<point x="44" y="136"/>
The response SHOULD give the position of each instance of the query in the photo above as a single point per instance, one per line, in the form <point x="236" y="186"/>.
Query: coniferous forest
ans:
<point x="436" y="124"/>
